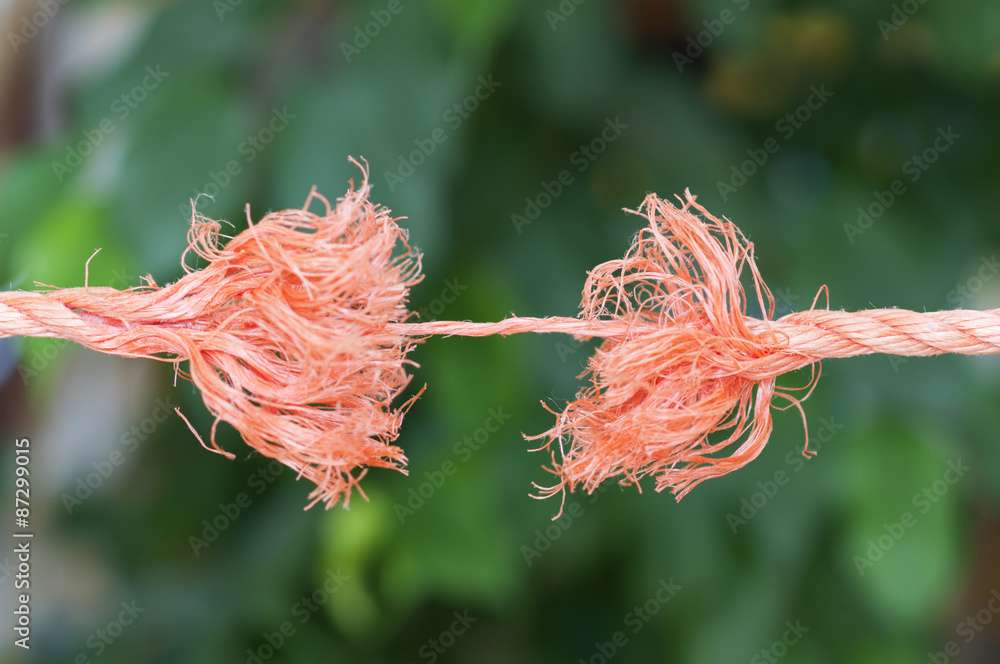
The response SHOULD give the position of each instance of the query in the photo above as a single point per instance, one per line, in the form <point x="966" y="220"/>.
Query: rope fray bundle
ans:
<point x="284" y="332"/>
<point x="297" y="334"/>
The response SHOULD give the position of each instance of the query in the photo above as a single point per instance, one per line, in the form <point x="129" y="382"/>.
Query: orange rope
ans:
<point x="811" y="335"/>
<point x="283" y="332"/>
<point x="296" y="333"/>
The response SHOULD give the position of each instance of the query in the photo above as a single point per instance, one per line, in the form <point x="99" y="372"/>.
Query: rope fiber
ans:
<point x="297" y="334"/>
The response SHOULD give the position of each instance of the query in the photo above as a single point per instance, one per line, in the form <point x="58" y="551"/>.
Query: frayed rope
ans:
<point x="297" y="334"/>
<point x="284" y="331"/>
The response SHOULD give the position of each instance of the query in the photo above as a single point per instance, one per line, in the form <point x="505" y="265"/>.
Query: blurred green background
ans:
<point x="787" y="117"/>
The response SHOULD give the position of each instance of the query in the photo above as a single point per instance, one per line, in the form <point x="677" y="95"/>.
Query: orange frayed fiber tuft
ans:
<point x="689" y="364"/>
<point x="683" y="385"/>
<point x="285" y="332"/>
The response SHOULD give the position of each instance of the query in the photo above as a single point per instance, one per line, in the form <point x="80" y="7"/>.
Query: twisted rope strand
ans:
<point x="805" y="337"/>
<point x="819" y="333"/>
<point x="92" y="318"/>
